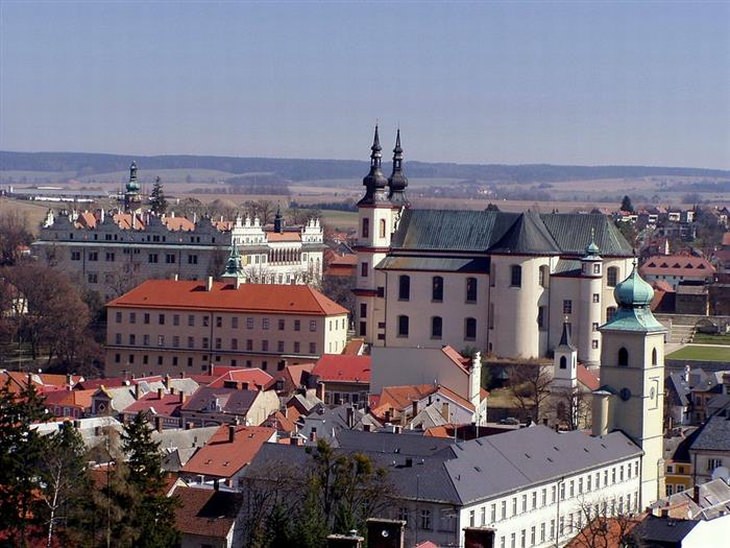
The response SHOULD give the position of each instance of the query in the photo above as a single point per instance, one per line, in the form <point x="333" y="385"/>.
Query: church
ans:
<point x="499" y="282"/>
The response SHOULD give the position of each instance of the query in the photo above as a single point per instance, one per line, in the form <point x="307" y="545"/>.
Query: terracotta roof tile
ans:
<point x="587" y="378"/>
<point x="189" y="295"/>
<point x="206" y="512"/>
<point x="283" y="236"/>
<point x="168" y="406"/>
<point x="255" y="377"/>
<point x="343" y="368"/>
<point x="178" y="223"/>
<point x="223" y="458"/>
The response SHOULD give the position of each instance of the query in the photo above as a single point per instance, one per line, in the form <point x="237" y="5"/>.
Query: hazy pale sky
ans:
<point x="479" y="82"/>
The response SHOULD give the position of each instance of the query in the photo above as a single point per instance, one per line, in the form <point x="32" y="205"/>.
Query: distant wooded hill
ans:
<point x="84" y="164"/>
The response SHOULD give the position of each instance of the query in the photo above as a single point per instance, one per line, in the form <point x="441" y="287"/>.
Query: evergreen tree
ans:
<point x="154" y="514"/>
<point x="21" y="450"/>
<point x="626" y="205"/>
<point x="158" y="202"/>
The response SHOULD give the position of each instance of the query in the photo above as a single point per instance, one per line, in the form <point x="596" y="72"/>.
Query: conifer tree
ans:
<point x="158" y="202"/>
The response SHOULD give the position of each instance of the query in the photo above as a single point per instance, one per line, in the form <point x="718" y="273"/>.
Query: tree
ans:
<point x="571" y="408"/>
<point x="21" y="450"/>
<point x="626" y="205"/>
<point x="14" y="234"/>
<point x="154" y="512"/>
<point x="602" y="525"/>
<point x="158" y="202"/>
<point x="63" y="478"/>
<point x="530" y="384"/>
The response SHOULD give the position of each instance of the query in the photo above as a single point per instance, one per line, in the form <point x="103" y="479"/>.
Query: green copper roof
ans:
<point x="633" y="296"/>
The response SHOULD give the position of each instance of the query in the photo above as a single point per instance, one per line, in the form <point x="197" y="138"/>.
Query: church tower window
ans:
<point x="653" y="356"/>
<point x="516" y="276"/>
<point x="366" y="228"/>
<point x="563" y="362"/>
<point x="437" y="292"/>
<point x="404" y="288"/>
<point x="623" y="357"/>
<point x="471" y="290"/>
<point x="382" y="228"/>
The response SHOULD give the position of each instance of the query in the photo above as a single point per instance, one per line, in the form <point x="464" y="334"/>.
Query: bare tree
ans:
<point x="603" y="524"/>
<point x="570" y="408"/>
<point x="530" y="384"/>
<point x="14" y="234"/>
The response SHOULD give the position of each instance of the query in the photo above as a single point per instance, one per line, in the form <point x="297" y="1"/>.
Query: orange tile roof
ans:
<point x="354" y="347"/>
<point x="178" y="223"/>
<point x="456" y="357"/>
<point x="124" y="221"/>
<point x="343" y="368"/>
<point x="168" y="406"/>
<point x="283" y="236"/>
<point x="222" y="458"/>
<point x="255" y="377"/>
<point x="726" y="239"/>
<point x="76" y="398"/>
<point x="192" y="295"/>
<point x="59" y="380"/>
<point x="86" y="220"/>
<point x="677" y="265"/>
<point x="279" y="421"/>
<point x="401" y="397"/>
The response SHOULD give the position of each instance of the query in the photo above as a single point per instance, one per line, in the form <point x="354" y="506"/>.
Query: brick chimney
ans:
<point x="231" y="433"/>
<point x="160" y="393"/>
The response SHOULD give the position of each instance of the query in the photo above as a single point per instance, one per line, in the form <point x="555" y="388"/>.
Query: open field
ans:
<point x="34" y="212"/>
<point x="703" y="338"/>
<point x="702" y="353"/>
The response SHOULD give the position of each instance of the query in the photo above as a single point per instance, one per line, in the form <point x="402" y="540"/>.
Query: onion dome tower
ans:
<point x="398" y="182"/>
<point x="374" y="182"/>
<point x="132" y="197"/>
<point x="632" y="378"/>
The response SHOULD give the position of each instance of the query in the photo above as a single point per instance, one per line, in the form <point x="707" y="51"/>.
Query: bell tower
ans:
<point x="375" y="226"/>
<point x="632" y="379"/>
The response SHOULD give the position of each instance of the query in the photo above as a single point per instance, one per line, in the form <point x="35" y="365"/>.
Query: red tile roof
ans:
<point x="726" y="239"/>
<point x="280" y="422"/>
<point x="168" y="406"/>
<point x="677" y="265"/>
<point x="343" y="368"/>
<point x="70" y="398"/>
<point x="587" y="378"/>
<point x="355" y="347"/>
<point x="206" y="512"/>
<point x="178" y="223"/>
<point x="222" y="458"/>
<point x="283" y="236"/>
<point x="125" y="221"/>
<point x="255" y="377"/>
<point x="192" y="295"/>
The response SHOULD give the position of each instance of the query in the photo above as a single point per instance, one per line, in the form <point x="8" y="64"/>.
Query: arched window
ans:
<point x="516" y="276"/>
<point x="404" y="287"/>
<point x="470" y="329"/>
<point x="623" y="357"/>
<point x="437" y="291"/>
<point x="382" y="228"/>
<point x="563" y="362"/>
<point x="471" y="290"/>
<point x="653" y="356"/>
<point x="612" y="276"/>
<point x="366" y="228"/>
<point x="403" y="326"/>
<point x="437" y="324"/>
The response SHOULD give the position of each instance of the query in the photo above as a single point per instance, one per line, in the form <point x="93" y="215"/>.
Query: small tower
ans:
<point x="375" y="217"/>
<point x="132" y="196"/>
<point x="398" y="182"/>
<point x="278" y="221"/>
<point x="234" y="267"/>
<point x="565" y="372"/>
<point x="591" y="286"/>
<point x="632" y="378"/>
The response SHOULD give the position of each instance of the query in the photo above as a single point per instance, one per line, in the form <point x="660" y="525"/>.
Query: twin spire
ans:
<point x="375" y="182"/>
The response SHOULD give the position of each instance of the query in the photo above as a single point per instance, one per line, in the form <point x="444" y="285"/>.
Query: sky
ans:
<point x="588" y="83"/>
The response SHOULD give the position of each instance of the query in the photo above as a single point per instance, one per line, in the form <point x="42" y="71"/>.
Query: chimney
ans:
<point x="686" y="373"/>
<point x="160" y="392"/>
<point x="181" y="396"/>
<point x="166" y="380"/>
<point x="350" y="417"/>
<point x="313" y="434"/>
<point x="387" y="416"/>
<point x="231" y="433"/>
<point x="209" y="284"/>
<point x="188" y="425"/>
<point x="696" y="494"/>
<point x="320" y="390"/>
<point x="158" y="423"/>
<point x="137" y="392"/>
<point x="414" y="408"/>
<point x="601" y="413"/>
<point x="69" y="381"/>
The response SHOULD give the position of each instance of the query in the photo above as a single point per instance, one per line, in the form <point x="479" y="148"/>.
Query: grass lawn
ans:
<point x="711" y="339"/>
<point x="703" y="353"/>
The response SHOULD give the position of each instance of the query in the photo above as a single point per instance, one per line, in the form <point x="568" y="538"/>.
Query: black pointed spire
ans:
<point x="374" y="182"/>
<point x="565" y="338"/>
<point x="398" y="181"/>
<point x="278" y="220"/>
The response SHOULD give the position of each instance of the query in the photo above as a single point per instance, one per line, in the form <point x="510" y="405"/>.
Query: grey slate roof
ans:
<point x="502" y="232"/>
<point x="462" y="472"/>
<point x="231" y="400"/>
<point x="663" y="530"/>
<point x="436" y="264"/>
<point x="714" y="435"/>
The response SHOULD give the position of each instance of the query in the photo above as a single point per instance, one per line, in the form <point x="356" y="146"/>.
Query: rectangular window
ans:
<point x="249" y="323"/>
<point x="219" y="321"/>
<point x="541" y="318"/>
<point x="470" y="329"/>
<point x="206" y="321"/>
<point x="297" y="325"/>
<point x="249" y="344"/>
<point x="534" y="500"/>
<point x="92" y="277"/>
<point x="403" y="326"/>
<point x="363" y="310"/>
<point x="471" y="290"/>
<point x="567" y="306"/>
<point x="594" y="344"/>
<point x="234" y="322"/>
<point x="493" y="513"/>
<point x="170" y="258"/>
<point x="191" y="342"/>
<point x="365" y="228"/>
<point x="191" y="320"/>
<point x="524" y="502"/>
<point x="118" y="338"/>
<point x="297" y="346"/>
<point x="234" y="344"/>
<point x="146" y="318"/>
<point x="132" y="317"/>
<point x="206" y="342"/>
<point x="109" y="257"/>
<point x="218" y="343"/>
<point x="93" y="255"/>
<point x="425" y="519"/>
<point x="280" y="346"/>
<point x="152" y="258"/>
<point x="161" y="319"/>
<point x="175" y="341"/>
<point x="176" y="319"/>
<point x="364" y="270"/>
<point x="504" y="509"/>
<point x="282" y="325"/>
<point x="118" y="317"/>
<point x="437" y="289"/>
<point x="265" y="323"/>
<point x="313" y="325"/>
<point x="132" y="339"/>
<point x="516" y="276"/>
<point x="160" y="340"/>
<point x="264" y="346"/>
<point x="312" y="348"/>
<point x="145" y="340"/>
<point x="404" y="287"/>
<point x="594" y="326"/>
<point x="75" y="255"/>
<point x="192" y="259"/>
<point x="596" y="298"/>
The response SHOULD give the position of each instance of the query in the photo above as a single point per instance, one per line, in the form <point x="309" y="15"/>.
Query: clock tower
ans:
<point x="632" y="379"/>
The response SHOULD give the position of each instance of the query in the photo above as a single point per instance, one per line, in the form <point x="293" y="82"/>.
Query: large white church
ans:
<point x="499" y="282"/>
